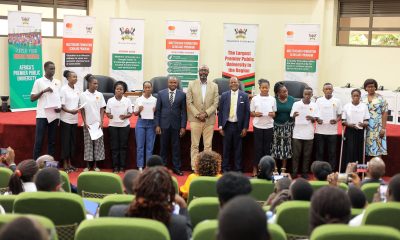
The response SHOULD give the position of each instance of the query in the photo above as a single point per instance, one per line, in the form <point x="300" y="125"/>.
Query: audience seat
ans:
<point x="122" y="229"/>
<point x="175" y="182"/>
<point x="203" y="187"/>
<point x="369" y="189"/>
<point x="99" y="184"/>
<point x="319" y="184"/>
<point x="44" y="221"/>
<point x="276" y="232"/>
<point x="204" y="208"/>
<point x="293" y="217"/>
<point x="261" y="189"/>
<point x="356" y="211"/>
<point x="385" y="214"/>
<point x="341" y="231"/>
<point x="7" y="202"/>
<point x="5" y="174"/>
<point x="66" y="183"/>
<point x="112" y="200"/>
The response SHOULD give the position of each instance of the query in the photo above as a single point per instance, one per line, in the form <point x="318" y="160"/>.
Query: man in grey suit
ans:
<point x="171" y="121"/>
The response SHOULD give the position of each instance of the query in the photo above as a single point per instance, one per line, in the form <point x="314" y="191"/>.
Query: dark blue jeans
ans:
<point x="41" y="125"/>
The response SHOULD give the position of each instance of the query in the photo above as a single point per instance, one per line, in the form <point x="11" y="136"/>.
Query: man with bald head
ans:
<point x="202" y="102"/>
<point x="233" y="122"/>
<point x="375" y="171"/>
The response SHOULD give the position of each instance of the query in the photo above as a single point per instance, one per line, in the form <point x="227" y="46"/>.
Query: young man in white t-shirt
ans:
<point x="330" y="110"/>
<point x="305" y="114"/>
<point x="41" y="91"/>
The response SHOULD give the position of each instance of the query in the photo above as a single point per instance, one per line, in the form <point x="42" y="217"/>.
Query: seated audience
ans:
<point x="300" y="190"/>
<point x="321" y="170"/>
<point x="280" y="185"/>
<point x="230" y="185"/>
<point x="22" y="178"/>
<point x="208" y="163"/>
<point x="129" y="178"/>
<point x="48" y="180"/>
<point x="329" y="205"/>
<point x="242" y="218"/>
<point x="281" y="197"/>
<point x="266" y="168"/>
<point x="24" y="228"/>
<point x="375" y="171"/>
<point x="154" y="160"/>
<point x="46" y="161"/>
<point x="7" y="160"/>
<point x="154" y="199"/>
<point x="357" y="197"/>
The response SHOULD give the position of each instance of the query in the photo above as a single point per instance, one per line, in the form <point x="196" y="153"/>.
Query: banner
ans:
<point x="126" y="51"/>
<point x="183" y="50"/>
<point x="240" y="53"/>
<point x="24" y="56"/>
<point x="302" y="53"/>
<point x="78" y="46"/>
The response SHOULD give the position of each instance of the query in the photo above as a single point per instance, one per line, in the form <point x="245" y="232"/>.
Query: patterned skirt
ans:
<point x="282" y="141"/>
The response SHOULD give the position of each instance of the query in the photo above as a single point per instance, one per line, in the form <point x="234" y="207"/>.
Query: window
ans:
<point x="368" y="23"/>
<point x="52" y="11"/>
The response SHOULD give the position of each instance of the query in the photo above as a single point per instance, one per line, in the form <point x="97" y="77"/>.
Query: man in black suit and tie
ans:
<point x="233" y="122"/>
<point x="171" y="121"/>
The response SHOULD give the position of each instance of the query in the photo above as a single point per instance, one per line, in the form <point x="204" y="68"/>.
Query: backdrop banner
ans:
<point x="24" y="56"/>
<point x="126" y="51"/>
<point x="302" y="53"/>
<point x="240" y="53"/>
<point x="183" y="50"/>
<point x="78" y="46"/>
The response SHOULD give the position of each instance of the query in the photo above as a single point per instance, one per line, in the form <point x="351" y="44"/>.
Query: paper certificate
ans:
<point x="303" y="112"/>
<point x="53" y="100"/>
<point x="327" y="113"/>
<point x="147" y="112"/>
<point x="356" y="117"/>
<point x="265" y="108"/>
<point x="117" y="111"/>
<point x="95" y="131"/>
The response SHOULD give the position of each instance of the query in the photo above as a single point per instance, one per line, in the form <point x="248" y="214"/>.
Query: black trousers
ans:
<point x="232" y="142"/>
<point x="119" y="137"/>
<point x="353" y="146"/>
<point x="329" y="142"/>
<point x="171" y="135"/>
<point x="68" y="140"/>
<point x="262" y="143"/>
<point x="302" y="149"/>
<point x="41" y="126"/>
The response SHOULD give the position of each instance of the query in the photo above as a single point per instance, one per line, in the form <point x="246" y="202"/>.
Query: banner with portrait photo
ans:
<point x="126" y="51"/>
<point x="25" y="57"/>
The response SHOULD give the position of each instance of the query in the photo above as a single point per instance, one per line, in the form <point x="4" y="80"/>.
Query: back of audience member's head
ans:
<point x="301" y="190"/>
<point x="154" y="160"/>
<point x="208" y="163"/>
<point x="393" y="192"/>
<point x="48" y="180"/>
<point x="376" y="168"/>
<point x="266" y="168"/>
<point x="129" y="180"/>
<point x="232" y="184"/>
<point x="357" y="197"/>
<point x="321" y="170"/>
<point x="23" y="228"/>
<point x="242" y="218"/>
<point x="279" y="198"/>
<point x="41" y="161"/>
<point x="24" y="173"/>
<point x="329" y="205"/>
<point x="282" y="184"/>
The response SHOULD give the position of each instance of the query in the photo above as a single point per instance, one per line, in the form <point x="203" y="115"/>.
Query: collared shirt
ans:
<point x="40" y="85"/>
<point x="70" y="100"/>
<point x="122" y="105"/>
<point x="333" y="107"/>
<point x="173" y="96"/>
<point x="203" y="90"/>
<point x="94" y="102"/>
<point x="304" y="131"/>
<point x="234" y="99"/>
<point x="350" y="110"/>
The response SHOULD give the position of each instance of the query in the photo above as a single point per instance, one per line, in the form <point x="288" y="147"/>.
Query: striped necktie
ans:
<point x="171" y="98"/>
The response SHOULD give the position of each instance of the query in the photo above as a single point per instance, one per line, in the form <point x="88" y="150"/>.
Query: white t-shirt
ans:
<point x="304" y="131"/>
<point x="40" y="85"/>
<point x="349" y="110"/>
<point x="70" y="100"/>
<point x="264" y="104"/>
<point x="148" y="105"/>
<point x="328" y="107"/>
<point x="94" y="102"/>
<point x="123" y="107"/>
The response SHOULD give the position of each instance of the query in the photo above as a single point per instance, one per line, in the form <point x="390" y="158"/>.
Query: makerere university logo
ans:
<point x="127" y="33"/>
<point x="241" y="33"/>
<point x="25" y="20"/>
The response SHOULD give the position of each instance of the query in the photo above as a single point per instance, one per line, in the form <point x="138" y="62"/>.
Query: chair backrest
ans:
<point x="44" y="221"/>
<point x="175" y="182"/>
<point x="161" y="83"/>
<point x="66" y="183"/>
<point x="356" y="211"/>
<point x="223" y="85"/>
<point x="5" y="174"/>
<point x="385" y="214"/>
<point x="204" y="208"/>
<point x="342" y="231"/>
<point x="7" y="202"/>
<point x="112" y="200"/>
<point x="203" y="187"/>
<point x="205" y="230"/>
<point x="122" y="229"/>
<point x="276" y="232"/>
<point x="99" y="184"/>
<point x="369" y="189"/>
<point x="319" y="184"/>
<point x="295" y="88"/>
<point x="293" y="217"/>
<point x="261" y="189"/>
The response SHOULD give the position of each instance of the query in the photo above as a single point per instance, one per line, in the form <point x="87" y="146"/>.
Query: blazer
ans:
<point x="171" y="116"/>
<point x="242" y="110"/>
<point x="194" y="100"/>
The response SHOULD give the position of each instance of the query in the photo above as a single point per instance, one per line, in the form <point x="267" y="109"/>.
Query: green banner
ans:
<point x="300" y="65"/>
<point x="127" y="62"/>
<point x="183" y="57"/>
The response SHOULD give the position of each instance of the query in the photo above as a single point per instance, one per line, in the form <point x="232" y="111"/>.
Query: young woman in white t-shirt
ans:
<point x="262" y="108"/>
<point x="119" y="110"/>
<point x="69" y="119"/>
<point x="145" y="132"/>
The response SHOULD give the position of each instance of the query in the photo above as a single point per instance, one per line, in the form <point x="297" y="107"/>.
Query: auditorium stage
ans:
<point x="17" y="130"/>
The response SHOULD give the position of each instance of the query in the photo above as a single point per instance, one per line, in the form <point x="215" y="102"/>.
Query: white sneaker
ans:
<point x="86" y="169"/>
<point x="97" y="169"/>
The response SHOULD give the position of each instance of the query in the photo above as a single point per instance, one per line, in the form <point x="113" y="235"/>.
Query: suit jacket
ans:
<point x="167" y="115"/>
<point x="194" y="100"/>
<point x="242" y="109"/>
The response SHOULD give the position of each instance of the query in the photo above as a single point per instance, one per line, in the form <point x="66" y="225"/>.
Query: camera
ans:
<point x="343" y="177"/>
<point x="3" y="151"/>
<point x="51" y="164"/>
<point x="362" y="168"/>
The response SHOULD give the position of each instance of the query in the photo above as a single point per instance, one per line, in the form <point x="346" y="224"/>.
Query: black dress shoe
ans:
<point x="177" y="172"/>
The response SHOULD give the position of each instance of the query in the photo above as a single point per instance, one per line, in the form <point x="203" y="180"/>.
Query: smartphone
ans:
<point x="362" y="168"/>
<point x="3" y="151"/>
<point x="277" y="177"/>
<point x="343" y="177"/>
<point x="51" y="164"/>
<point x="382" y="192"/>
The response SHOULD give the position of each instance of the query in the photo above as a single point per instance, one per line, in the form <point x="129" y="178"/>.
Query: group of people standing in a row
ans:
<point x="283" y="128"/>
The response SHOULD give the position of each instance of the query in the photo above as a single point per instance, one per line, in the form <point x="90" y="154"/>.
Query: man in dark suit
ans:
<point x="171" y="121"/>
<point x="233" y="122"/>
